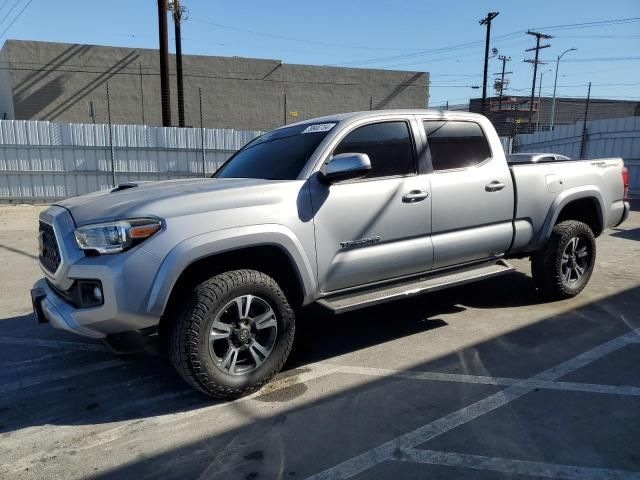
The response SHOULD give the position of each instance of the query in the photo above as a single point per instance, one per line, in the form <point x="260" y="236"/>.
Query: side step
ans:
<point x="353" y="300"/>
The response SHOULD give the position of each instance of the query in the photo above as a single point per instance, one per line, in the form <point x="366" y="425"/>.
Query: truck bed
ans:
<point x="541" y="186"/>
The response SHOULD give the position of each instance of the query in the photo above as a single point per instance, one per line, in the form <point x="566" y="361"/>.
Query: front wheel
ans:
<point x="564" y="265"/>
<point x="233" y="335"/>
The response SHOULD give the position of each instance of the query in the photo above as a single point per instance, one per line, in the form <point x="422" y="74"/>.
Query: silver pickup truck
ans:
<point x="347" y="211"/>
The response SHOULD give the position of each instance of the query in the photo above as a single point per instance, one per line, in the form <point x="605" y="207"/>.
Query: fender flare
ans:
<point x="221" y="241"/>
<point x="562" y="200"/>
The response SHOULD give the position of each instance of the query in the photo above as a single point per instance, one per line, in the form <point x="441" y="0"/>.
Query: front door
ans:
<point x="375" y="228"/>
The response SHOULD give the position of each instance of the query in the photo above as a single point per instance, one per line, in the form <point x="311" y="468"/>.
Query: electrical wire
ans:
<point x="15" y="4"/>
<point x="294" y="39"/>
<point x="15" y="19"/>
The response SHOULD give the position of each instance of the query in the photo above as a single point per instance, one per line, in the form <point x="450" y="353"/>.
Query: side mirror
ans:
<point x="345" y="166"/>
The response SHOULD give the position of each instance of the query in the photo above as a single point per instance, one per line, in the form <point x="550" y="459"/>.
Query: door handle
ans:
<point x="415" y="196"/>
<point x="494" y="186"/>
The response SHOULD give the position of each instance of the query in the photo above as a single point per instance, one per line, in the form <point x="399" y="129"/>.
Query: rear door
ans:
<point x="472" y="193"/>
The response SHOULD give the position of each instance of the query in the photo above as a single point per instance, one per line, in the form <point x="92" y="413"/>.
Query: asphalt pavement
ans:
<point x="484" y="381"/>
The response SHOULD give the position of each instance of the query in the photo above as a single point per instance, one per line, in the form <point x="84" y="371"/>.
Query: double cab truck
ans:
<point x="347" y="211"/>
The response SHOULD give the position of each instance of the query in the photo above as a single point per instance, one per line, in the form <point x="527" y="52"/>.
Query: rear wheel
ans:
<point x="234" y="334"/>
<point x="564" y="265"/>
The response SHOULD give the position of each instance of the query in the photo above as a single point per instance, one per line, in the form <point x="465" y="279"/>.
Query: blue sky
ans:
<point x="400" y="34"/>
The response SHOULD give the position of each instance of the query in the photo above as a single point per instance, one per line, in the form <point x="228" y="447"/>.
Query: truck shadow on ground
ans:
<point x="150" y="387"/>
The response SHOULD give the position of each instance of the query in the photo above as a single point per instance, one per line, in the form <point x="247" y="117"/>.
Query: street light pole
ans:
<point x="555" y="84"/>
<point x="540" y="100"/>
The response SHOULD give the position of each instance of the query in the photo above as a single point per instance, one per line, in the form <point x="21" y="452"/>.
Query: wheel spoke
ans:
<point x="260" y="348"/>
<point x="219" y="331"/>
<point x="567" y="275"/>
<point x="266" y="320"/>
<point x="244" y="305"/>
<point x="582" y="252"/>
<point x="229" y="360"/>
<point x="256" y="357"/>
<point x="579" y="270"/>
<point x="565" y="258"/>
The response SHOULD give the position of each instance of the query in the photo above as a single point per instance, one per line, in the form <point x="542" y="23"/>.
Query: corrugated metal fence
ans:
<point x="44" y="161"/>
<point x="619" y="137"/>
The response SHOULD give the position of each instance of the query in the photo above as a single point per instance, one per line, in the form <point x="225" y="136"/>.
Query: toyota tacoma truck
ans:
<point x="347" y="211"/>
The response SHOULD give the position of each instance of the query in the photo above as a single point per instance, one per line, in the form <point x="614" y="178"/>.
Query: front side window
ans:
<point x="455" y="144"/>
<point x="388" y="145"/>
<point x="277" y="155"/>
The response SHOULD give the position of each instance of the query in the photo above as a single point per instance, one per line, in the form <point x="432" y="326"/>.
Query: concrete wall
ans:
<point x="6" y="101"/>
<point x="618" y="137"/>
<point x="55" y="81"/>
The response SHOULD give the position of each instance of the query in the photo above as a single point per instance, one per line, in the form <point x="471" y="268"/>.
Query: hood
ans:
<point x="168" y="198"/>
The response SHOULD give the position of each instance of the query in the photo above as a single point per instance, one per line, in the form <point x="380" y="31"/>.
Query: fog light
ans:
<point x="97" y="294"/>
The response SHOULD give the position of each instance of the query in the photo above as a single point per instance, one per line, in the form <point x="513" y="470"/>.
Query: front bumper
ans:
<point x="126" y="280"/>
<point x="49" y="307"/>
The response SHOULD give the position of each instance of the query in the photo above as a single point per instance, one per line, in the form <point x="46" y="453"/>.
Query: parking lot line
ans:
<point x="516" y="467"/>
<point x="94" y="440"/>
<point x="64" y="345"/>
<point x="486" y="380"/>
<point x="20" y="364"/>
<point x="52" y="377"/>
<point x="389" y="450"/>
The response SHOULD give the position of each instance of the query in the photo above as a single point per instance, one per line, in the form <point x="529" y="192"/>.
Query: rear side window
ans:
<point x="388" y="145"/>
<point x="455" y="144"/>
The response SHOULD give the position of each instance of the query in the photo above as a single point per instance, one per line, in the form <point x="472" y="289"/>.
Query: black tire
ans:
<point x="189" y="342"/>
<point x="548" y="268"/>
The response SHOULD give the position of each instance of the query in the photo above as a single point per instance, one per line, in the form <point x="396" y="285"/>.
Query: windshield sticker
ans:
<point x="318" y="127"/>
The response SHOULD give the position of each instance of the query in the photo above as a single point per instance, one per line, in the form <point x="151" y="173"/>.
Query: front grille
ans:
<point x="49" y="252"/>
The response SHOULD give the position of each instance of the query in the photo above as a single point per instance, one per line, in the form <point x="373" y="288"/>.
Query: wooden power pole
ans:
<point x="177" y="21"/>
<point x="535" y="62"/>
<point x="165" y="91"/>
<point x="486" y="21"/>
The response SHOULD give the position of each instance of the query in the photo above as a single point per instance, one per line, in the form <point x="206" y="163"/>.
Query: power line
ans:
<point x="596" y="23"/>
<point x="15" y="19"/>
<point x="15" y="4"/>
<point x="294" y="39"/>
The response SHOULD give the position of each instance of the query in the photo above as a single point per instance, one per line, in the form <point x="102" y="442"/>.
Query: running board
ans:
<point x="353" y="300"/>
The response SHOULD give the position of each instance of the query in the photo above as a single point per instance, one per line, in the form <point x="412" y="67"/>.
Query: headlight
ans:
<point x="114" y="237"/>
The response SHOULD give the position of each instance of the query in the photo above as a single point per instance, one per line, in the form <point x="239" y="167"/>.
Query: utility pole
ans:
<point x="540" y="100"/>
<point x="141" y="92"/>
<point x="165" y="91"/>
<point x="486" y="21"/>
<point x="535" y="62"/>
<point x="584" y="125"/>
<point x="177" y="20"/>
<point x="504" y="59"/>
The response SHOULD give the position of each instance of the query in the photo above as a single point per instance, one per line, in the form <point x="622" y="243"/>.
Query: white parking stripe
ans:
<point x="21" y="364"/>
<point x="366" y="460"/>
<point x="65" y="345"/>
<point x="485" y="380"/>
<point x="93" y="440"/>
<point x="517" y="467"/>
<point x="52" y="377"/>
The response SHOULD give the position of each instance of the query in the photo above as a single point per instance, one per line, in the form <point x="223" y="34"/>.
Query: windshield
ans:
<point x="277" y="155"/>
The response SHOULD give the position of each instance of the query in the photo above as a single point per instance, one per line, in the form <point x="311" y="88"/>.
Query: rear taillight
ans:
<point x="625" y="182"/>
